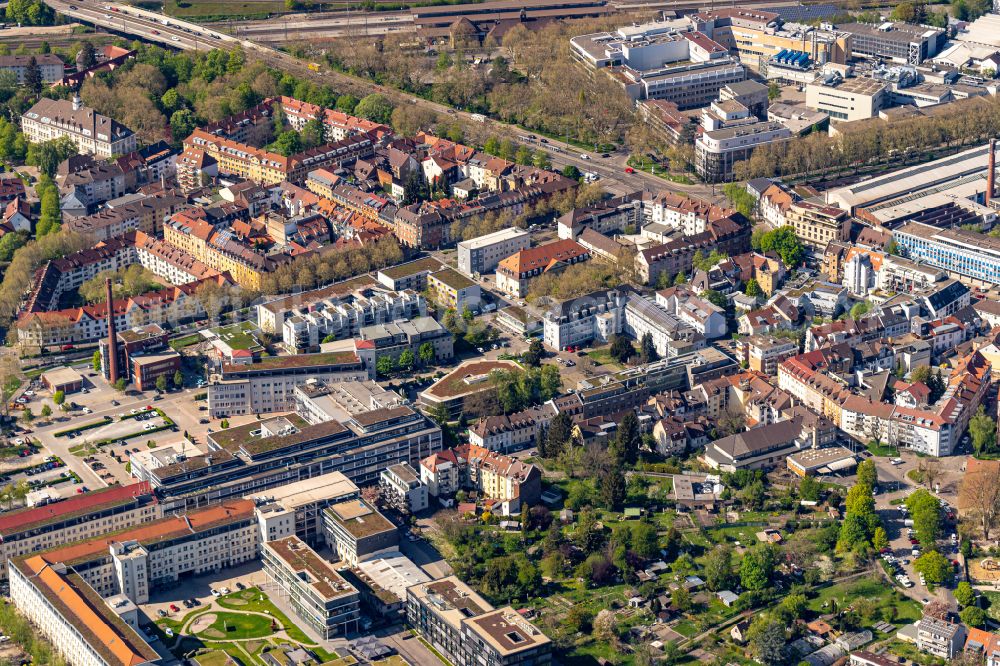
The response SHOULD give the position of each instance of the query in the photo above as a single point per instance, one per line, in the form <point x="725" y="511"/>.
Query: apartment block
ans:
<point x="481" y="255"/>
<point x="402" y="489"/>
<point x="318" y="595"/>
<point x="394" y="338"/>
<point x="816" y="225"/>
<point x="718" y="151"/>
<point x="50" y="66"/>
<point x="494" y="476"/>
<point x="939" y="637"/>
<point x="514" y="273"/>
<point x="452" y="290"/>
<point x="92" y="132"/>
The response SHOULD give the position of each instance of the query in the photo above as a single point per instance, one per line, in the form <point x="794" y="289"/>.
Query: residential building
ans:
<point x="267" y="385"/>
<point x="761" y="447"/>
<point x="764" y="352"/>
<point x="91" y="132"/>
<point x="466" y="629"/>
<point x="481" y="255"/>
<point x="393" y="338"/>
<point x="704" y="317"/>
<point x="452" y="290"/>
<point x="816" y="225"/>
<point x="402" y="489"/>
<point x="268" y="168"/>
<point x="317" y="594"/>
<point x="984" y="644"/>
<point x="588" y="320"/>
<point x="296" y="509"/>
<point x="507" y="481"/>
<point x="516" y="271"/>
<point x="358" y="532"/>
<point x="50" y="66"/>
<point x="729" y="235"/>
<point x="848" y="99"/>
<point x="76" y="518"/>
<point x="330" y="314"/>
<point x="506" y="433"/>
<point x="939" y="637"/>
<point x="411" y="275"/>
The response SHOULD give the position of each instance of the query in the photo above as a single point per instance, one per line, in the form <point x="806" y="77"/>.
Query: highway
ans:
<point x="175" y="33"/>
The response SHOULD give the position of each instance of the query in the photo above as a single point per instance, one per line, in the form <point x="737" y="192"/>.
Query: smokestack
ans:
<point x="991" y="170"/>
<point x="112" y="336"/>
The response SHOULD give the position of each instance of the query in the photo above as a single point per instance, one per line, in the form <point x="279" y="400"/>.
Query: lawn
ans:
<point x="237" y="626"/>
<point x="213" y="658"/>
<point x="685" y="628"/>
<point x="241" y="336"/>
<point x="602" y="356"/>
<point x="882" y="451"/>
<point x="252" y="599"/>
<point x="186" y="341"/>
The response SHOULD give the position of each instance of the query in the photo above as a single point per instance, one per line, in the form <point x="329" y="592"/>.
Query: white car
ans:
<point x="215" y="592"/>
<point x="175" y="38"/>
<point x="225" y="590"/>
<point x="584" y="156"/>
<point x="88" y="410"/>
<point x="169" y="632"/>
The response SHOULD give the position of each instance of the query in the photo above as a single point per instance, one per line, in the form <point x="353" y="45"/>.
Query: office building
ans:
<point x="262" y="455"/>
<point x="962" y="253"/>
<point x="92" y="132"/>
<point x="157" y="554"/>
<point x="81" y="627"/>
<point x="467" y="630"/>
<point x="76" y="518"/>
<point x="267" y="385"/>
<point x="848" y="99"/>
<point x="718" y="151"/>
<point x="358" y="532"/>
<point x="481" y="255"/>
<point x="902" y="43"/>
<point x="296" y="509"/>
<point x="318" y="595"/>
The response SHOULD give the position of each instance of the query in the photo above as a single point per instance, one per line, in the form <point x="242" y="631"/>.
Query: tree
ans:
<point x="624" y="448"/>
<point x="644" y="540"/>
<point x="613" y="488"/>
<point x="934" y="566"/>
<point x="756" y="568"/>
<point x="559" y="434"/>
<point x="867" y="474"/>
<point x="46" y="411"/>
<point x="621" y="349"/>
<point x="752" y="288"/>
<point x="87" y="56"/>
<point x="375" y="107"/>
<point x="59" y="397"/>
<point x="95" y="361"/>
<point x="385" y="365"/>
<point x="681" y="598"/>
<point x="533" y="355"/>
<point x="121" y="384"/>
<point x="964" y="594"/>
<point x="178" y="379"/>
<point x="783" y="241"/>
<point x="716" y="298"/>
<point x="182" y="124"/>
<point x="33" y="77"/>
<point x="161" y="383"/>
<point x="647" y="349"/>
<point x="809" y="489"/>
<point x="28" y="416"/>
<point x="426" y="353"/>
<point x="983" y="431"/>
<point x="766" y="640"/>
<point x="719" y="573"/>
<point x="859" y="310"/>
<point x="880" y="540"/>
<point x="905" y="12"/>
<point x="973" y="616"/>
<point x="407" y="359"/>
<point x="925" y="510"/>
<point x="983" y="490"/>
<point x="48" y="154"/>
<point x="571" y="172"/>
<point x="773" y="91"/>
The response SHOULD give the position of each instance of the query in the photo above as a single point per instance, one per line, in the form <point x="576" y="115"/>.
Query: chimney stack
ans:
<point x="991" y="171"/>
<point x="77" y="102"/>
<point x="112" y="335"/>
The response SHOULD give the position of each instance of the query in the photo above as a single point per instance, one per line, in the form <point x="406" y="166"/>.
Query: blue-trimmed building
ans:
<point x="962" y="253"/>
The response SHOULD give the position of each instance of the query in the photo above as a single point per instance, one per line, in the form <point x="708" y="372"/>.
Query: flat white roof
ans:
<point x="495" y="237"/>
<point x="310" y="491"/>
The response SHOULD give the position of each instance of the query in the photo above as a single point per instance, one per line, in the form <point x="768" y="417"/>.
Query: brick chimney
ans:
<point x="991" y="171"/>
<point x="112" y="336"/>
